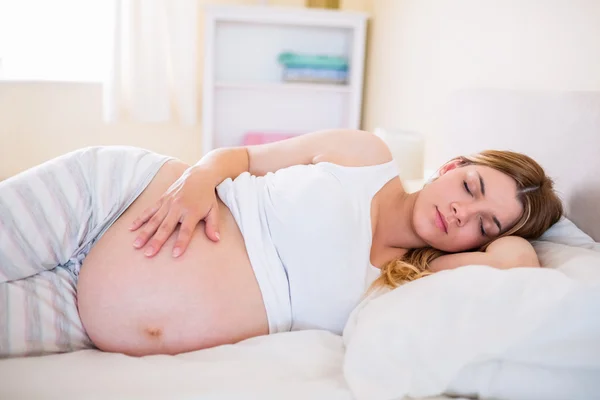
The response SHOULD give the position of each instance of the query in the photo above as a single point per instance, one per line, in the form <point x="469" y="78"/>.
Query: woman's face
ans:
<point x="466" y="207"/>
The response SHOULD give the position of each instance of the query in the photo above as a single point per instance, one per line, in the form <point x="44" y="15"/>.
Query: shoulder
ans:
<point x="369" y="150"/>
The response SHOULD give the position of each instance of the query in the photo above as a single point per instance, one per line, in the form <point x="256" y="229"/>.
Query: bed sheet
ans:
<point x="291" y="365"/>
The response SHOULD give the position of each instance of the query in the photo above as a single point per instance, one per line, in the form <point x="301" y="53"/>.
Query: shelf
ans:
<point x="284" y="86"/>
<point x="243" y="88"/>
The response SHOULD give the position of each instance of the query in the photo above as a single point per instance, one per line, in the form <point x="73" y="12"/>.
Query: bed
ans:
<point x="382" y="356"/>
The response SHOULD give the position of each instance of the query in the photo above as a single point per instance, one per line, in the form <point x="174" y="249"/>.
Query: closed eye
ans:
<point x="481" y="227"/>
<point x="467" y="188"/>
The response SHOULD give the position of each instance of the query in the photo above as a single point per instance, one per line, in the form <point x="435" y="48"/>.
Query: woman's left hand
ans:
<point x="191" y="199"/>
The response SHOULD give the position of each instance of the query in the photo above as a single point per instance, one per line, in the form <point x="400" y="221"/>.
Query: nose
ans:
<point x="460" y="213"/>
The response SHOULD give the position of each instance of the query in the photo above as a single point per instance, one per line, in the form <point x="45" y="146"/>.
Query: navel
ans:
<point x="154" y="333"/>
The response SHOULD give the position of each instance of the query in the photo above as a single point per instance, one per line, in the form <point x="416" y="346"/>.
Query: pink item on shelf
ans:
<point x="252" y="138"/>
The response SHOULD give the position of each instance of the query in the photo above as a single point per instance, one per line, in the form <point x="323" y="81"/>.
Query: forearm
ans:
<point x="504" y="253"/>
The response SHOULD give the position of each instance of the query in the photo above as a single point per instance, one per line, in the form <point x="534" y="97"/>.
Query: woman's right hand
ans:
<point x="189" y="200"/>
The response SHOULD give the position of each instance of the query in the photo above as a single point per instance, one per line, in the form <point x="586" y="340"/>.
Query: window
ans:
<point x="56" y="40"/>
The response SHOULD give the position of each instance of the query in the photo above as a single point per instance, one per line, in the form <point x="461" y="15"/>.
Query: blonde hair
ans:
<point x="541" y="209"/>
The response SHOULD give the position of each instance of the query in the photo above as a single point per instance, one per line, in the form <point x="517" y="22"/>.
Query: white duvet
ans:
<point x="293" y="365"/>
<point x="525" y="333"/>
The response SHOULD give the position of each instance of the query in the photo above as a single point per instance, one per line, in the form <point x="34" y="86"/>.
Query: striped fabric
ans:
<point x="50" y="217"/>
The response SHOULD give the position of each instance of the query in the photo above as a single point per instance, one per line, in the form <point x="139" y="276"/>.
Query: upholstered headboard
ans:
<point x="561" y="130"/>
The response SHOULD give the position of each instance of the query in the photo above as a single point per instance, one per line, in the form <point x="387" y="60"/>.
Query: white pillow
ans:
<point x="579" y="263"/>
<point x="526" y="333"/>
<point x="566" y="232"/>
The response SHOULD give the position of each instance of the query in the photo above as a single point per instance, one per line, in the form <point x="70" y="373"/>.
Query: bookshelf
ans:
<point x="243" y="88"/>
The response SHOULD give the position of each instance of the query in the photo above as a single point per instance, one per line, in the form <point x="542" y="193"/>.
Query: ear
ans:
<point x="450" y="165"/>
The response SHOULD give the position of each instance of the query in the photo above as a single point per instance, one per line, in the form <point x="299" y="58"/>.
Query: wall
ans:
<point x="41" y="120"/>
<point x="421" y="51"/>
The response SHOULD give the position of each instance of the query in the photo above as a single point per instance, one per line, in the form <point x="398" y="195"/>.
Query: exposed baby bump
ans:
<point x="138" y="305"/>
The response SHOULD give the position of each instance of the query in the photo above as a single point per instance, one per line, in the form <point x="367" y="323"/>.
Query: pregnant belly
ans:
<point x="136" y="305"/>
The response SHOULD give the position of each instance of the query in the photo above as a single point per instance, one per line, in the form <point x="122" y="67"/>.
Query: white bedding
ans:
<point x="523" y="333"/>
<point x="452" y="351"/>
<point x="293" y="365"/>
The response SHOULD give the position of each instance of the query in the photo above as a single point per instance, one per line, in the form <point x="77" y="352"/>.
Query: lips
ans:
<point x="440" y="221"/>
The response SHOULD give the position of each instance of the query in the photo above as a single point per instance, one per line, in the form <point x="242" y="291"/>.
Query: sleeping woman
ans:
<point x="130" y="251"/>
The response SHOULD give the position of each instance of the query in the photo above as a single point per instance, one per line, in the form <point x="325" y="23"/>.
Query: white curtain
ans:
<point x="153" y="74"/>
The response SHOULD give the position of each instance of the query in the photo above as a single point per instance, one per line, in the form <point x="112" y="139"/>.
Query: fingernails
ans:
<point x="217" y="236"/>
<point x="148" y="251"/>
<point x="132" y="226"/>
<point x="137" y="243"/>
<point x="176" y="252"/>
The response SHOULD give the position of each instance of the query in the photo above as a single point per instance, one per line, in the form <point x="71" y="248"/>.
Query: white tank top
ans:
<point x="307" y="230"/>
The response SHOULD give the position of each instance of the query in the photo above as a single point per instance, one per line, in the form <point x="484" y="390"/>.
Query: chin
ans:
<point x="432" y="236"/>
<point x="428" y="235"/>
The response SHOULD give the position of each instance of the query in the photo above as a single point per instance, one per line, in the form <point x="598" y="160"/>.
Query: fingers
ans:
<point x="146" y="215"/>
<point x="185" y="235"/>
<point x="188" y="225"/>
<point x="150" y="227"/>
<point x="164" y="231"/>
<point x="212" y="224"/>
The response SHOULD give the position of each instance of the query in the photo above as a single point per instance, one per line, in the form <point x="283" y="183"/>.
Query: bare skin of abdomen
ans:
<point x="136" y="305"/>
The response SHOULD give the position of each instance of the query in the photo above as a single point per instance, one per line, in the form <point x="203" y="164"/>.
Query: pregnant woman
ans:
<point x="291" y="235"/>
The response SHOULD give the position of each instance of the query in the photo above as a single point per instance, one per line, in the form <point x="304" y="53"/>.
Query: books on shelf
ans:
<point x="313" y="68"/>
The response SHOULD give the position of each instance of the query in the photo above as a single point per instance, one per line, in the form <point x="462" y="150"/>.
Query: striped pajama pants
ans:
<point x="50" y="217"/>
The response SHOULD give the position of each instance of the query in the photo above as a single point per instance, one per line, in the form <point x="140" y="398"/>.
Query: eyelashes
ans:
<point x="467" y="188"/>
<point x="481" y="227"/>
<point x="483" y="233"/>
